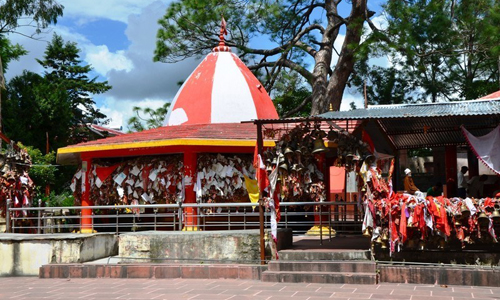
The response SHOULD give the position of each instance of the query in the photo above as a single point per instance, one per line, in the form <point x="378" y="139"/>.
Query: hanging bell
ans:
<point x="269" y="168"/>
<point x="384" y="245"/>
<point x="385" y="236"/>
<point x="319" y="147"/>
<point x="300" y="167"/>
<point x="274" y="161"/>
<point x="5" y="169"/>
<point x="367" y="232"/>
<point x="288" y="150"/>
<point x="483" y="220"/>
<point x="283" y="166"/>
<point x="378" y="240"/>
<point x="457" y="222"/>
<point x="332" y="134"/>
<point x="496" y="216"/>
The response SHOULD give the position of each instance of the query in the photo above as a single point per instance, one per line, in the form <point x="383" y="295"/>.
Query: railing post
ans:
<point x="286" y="216"/>
<point x="39" y="215"/>
<point x="321" y="224"/>
<point x="229" y="218"/>
<point x="174" y="220"/>
<point x="330" y="222"/>
<point x="117" y="216"/>
<point x="92" y="220"/>
<point x="7" y="216"/>
<point x="181" y="218"/>
<point x="244" y="218"/>
<point x="156" y="211"/>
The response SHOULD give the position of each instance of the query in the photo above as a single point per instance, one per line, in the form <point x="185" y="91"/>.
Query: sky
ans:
<point x="117" y="38"/>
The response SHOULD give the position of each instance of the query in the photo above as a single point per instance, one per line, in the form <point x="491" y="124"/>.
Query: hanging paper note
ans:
<point x="98" y="182"/>
<point x="120" y="178"/>
<point x="78" y="174"/>
<point x="73" y="186"/>
<point x="135" y="171"/>
<point x="120" y="191"/>
<point x="146" y="197"/>
<point x="153" y="174"/>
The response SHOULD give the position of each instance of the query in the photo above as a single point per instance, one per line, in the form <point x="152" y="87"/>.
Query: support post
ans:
<point x="7" y="216"/>
<point x="190" y="213"/>
<point x="86" y="218"/>
<point x="260" y="144"/>
<point x="451" y="171"/>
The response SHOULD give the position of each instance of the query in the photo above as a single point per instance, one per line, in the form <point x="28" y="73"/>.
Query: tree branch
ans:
<point x="288" y="64"/>
<point x="299" y="107"/>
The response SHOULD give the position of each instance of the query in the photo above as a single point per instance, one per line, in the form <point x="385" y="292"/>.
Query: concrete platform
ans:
<point x="24" y="254"/>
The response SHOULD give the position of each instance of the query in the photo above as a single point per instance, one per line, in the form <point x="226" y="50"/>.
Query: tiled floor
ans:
<point x="105" y="288"/>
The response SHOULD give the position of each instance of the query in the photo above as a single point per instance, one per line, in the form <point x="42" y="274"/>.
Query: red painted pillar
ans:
<point x="86" y="223"/>
<point x="320" y="163"/>
<point x="450" y="158"/>
<point x="190" y="213"/>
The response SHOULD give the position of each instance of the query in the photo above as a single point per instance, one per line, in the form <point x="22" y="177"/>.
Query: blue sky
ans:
<point x="117" y="37"/>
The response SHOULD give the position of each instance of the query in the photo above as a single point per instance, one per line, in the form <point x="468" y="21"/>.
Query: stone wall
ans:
<point x="24" y="254"/>
<point x="237" y="246"/>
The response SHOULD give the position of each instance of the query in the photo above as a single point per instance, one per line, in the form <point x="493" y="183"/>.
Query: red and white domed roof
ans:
<point x="220" y="90"/>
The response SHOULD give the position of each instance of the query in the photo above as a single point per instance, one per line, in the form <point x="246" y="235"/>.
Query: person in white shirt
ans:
<point x="462" y="183"/>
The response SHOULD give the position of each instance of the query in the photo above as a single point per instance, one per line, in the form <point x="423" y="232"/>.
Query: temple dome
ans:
<point x="220" y="90"/>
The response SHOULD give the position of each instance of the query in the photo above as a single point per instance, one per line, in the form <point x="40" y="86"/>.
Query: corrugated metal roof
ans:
<point x="427" y="110"/>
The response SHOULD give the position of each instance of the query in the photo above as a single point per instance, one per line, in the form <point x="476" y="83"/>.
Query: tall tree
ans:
<point x="443" y="49"/>
<point x="57" y="103"/>
<point x="301" y="32"/>
<point x="37" y="14"/>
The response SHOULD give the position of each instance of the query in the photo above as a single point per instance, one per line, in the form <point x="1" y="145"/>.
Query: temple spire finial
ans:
<point x="222" y="44"/>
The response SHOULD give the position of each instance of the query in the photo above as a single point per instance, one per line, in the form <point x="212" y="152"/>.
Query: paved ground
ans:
<point x="33" y="288"/>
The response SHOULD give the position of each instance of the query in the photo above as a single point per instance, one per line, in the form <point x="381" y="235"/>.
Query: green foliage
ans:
<point x="55" y="104"/>
<point x="438" y="49"/>
<point x="35" y="13"/>
<point x="151" y="118"/>
<point x="289" y="93"/>
<point x="43" y="171"/>
<point x="59" y="200"/>
<point x="9" y="52"/>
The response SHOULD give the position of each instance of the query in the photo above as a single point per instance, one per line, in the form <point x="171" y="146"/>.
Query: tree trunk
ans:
<point x="323" y="60"/>
<point x="345" y="64"/>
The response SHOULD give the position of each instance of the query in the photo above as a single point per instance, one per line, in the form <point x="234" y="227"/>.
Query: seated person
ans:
<point x="435" y="190"/>
<point x="410" y="187"/>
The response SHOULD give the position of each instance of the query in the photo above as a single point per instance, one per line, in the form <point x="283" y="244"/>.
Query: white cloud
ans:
<point x="117" y="10"/>
<point x="103" y="61"/>
<point x="119" y="111"/>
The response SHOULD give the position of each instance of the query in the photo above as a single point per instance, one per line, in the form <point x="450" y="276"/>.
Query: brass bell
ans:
<point x="378" y="240"/>
<point x="421" y="245"/>
<point x="483" y="220"/>
<point x="274" y="161"/>
<point x="5" y="169"/>
<point x="457" y="222"/>
<point x="283" y="166"/>
<point x="384" y="245"/>
<point x="288" y="150"/>
<point x="367" y="232"/>
<point x="495" y="215"/>
<point x="269" y="168"/>
<point x="385" y="236"/>
<point x="319" y="146"/>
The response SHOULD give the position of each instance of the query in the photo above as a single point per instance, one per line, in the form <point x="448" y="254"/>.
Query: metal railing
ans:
<point x="344" y="217"/>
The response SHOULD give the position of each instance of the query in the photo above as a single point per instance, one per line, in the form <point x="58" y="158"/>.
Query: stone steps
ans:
<point x="321" y="254"/>
<point x="322" y="266"/>
<point x="319" y="277"/>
